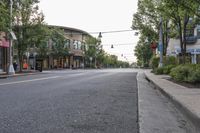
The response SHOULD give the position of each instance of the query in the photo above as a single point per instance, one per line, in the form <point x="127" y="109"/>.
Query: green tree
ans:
<point x="146" y="20"/>
<point x="91" y="50"/>
<point x="179" y="12"/>
<point x="143" y="52"/>
<point x="59" y="49"/>
<point x="41" y="41"/>
<point x="174" y="12"/>
<point x="5" y="16"/>
<point x="27" y="19"/>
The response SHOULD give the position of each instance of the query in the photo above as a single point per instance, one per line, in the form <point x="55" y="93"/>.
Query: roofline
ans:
<point x="72" y="29"/>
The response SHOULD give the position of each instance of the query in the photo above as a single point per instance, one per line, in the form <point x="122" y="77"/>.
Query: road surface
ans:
<point x="76" y="101"/>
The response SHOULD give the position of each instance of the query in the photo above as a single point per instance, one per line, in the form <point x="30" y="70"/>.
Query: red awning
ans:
<point x="4" y="43"/>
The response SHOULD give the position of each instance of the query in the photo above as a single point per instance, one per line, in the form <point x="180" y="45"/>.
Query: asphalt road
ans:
<point x="91" y="101"/>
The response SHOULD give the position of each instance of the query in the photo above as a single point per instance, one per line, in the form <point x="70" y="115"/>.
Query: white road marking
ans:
<point x="25" y="81"/>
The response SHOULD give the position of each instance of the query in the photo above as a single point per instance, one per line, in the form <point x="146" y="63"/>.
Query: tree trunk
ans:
<point x="186" y="19"/>
<point x="181" y="40"/>
<point x="20" y="55"/>
<point x="166" y="38"/>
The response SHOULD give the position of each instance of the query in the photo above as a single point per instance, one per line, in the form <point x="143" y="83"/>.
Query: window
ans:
<point x="83" y="46"/>
<point x="67" y="43"/>
<point x="77" y="44"/>
<point x="190" y="32"/>
<point x="198" y="32"/>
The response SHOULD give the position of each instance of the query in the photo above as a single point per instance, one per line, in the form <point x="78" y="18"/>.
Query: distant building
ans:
<point x="75" y="42"/>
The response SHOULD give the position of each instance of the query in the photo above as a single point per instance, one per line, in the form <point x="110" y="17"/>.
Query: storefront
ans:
<point x="1" y="59"/>
<point x="78" y="62"/>
<point x="4" y="44"/>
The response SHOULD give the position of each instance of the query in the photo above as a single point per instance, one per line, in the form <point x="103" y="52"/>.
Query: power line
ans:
<point x="118" y="44"/>
<point x="114" y="44"/>
<point x="114" y="31"/>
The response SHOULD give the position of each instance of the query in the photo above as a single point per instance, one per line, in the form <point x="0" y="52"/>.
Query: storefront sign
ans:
<point x="192" y="51"/>
<point x="197" y="51"/>
<point x="3" y="41"/>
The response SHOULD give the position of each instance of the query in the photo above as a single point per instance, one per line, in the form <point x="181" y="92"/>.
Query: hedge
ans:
<point x="186" y="73"/>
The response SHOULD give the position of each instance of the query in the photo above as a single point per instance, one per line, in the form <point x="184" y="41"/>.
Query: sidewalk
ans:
<point x="24" y="73"/>
<point x="187" y="100"/>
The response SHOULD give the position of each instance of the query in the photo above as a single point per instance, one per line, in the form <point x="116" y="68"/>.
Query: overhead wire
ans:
<point x="113" y="31"/>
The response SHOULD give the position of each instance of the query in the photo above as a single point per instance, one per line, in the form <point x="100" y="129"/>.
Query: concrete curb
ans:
<point x="18" y="75"/>
<point x="188" y="113"/>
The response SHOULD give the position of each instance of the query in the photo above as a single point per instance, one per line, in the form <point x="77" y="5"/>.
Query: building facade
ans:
<point x="75" y="44"/>
<point x="4" y="45"/>
<point x="193" y="46"/>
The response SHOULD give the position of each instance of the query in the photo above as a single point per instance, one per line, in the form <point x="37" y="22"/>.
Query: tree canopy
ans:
<point x="175" y="15"/>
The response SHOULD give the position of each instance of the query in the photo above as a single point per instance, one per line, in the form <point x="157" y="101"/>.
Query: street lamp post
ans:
<point x="11" y="70"/>
<point x="161" y="44"/>
<point x="99" y="45"/>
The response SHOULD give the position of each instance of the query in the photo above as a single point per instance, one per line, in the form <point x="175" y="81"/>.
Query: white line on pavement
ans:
<point x="24" y="81"/>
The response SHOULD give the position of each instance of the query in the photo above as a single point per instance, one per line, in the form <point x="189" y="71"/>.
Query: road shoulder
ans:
<point x="156" y="113"/>
<point x="185" y="99"/>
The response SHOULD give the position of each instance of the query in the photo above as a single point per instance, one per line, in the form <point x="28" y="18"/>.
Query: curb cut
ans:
<point x="192" y="117"/>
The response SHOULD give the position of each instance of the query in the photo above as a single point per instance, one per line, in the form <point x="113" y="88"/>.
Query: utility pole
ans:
<point x="11" y="70"/>
<point x="161" y="43"/>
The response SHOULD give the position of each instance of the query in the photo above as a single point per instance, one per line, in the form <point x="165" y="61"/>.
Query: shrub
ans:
<point x="187" y="73"/>
<point x="146" y="65"/>
<point x="163" y="70"/>
<point x="158" y="70"/>
<point x="170" y="60"/>
<point x="167" y="69"/>
<point x="154" y="62"/>
<point x="194" y="76"/>
<point x="180" y="73"/>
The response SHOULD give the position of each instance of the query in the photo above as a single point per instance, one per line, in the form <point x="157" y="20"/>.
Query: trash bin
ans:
<point x="38" y="65"/>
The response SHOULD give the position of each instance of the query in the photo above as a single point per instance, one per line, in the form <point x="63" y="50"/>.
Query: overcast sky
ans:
<point x="97" y="16"/>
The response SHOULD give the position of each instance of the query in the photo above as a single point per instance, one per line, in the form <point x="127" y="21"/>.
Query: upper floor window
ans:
<point x="77" y="44"/>
<point x="83" y="46"/>
<point x="67" y="43"/>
